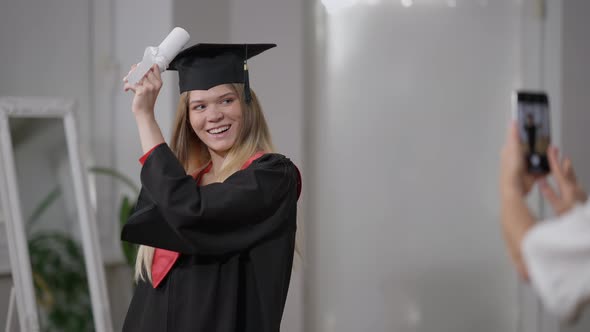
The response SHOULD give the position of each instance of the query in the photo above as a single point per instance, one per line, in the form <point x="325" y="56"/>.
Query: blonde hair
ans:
<point x="193" y="154"/>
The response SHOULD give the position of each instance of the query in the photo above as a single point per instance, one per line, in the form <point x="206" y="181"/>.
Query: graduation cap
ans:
<point x="203" y="66"/>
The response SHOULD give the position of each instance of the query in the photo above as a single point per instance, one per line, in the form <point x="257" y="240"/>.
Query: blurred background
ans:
<point x="395" y="111"/>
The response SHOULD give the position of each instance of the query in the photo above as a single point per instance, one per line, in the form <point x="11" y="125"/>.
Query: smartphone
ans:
<point x="531" y="111"/>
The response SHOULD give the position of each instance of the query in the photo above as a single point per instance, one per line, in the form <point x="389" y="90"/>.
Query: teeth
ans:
<point x="218" y="130"/>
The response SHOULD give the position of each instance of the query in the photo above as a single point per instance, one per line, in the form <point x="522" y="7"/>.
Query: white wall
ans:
<point x="46" y="51"/>
<point x="206" y="21"/>
<point x="404" y="208"/>
<point x="576" y="85"/>
<point x="574" y="106"/>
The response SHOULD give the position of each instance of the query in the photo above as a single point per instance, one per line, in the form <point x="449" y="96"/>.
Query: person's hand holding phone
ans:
<point x="569" y="191"/>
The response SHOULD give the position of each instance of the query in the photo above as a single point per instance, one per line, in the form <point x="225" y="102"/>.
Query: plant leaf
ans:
<point x="43" y="205"/>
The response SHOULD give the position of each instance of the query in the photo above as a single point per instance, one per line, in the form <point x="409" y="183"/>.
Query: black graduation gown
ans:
<point x="236" y="240"/>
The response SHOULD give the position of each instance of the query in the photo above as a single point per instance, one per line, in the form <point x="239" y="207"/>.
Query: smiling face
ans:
<point x="216" y="117"/>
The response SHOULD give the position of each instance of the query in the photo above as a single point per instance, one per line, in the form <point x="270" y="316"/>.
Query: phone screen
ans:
<point x="532" y="111"/>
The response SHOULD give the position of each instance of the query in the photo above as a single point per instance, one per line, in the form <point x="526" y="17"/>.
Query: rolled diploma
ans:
<point x="161" y="55"/>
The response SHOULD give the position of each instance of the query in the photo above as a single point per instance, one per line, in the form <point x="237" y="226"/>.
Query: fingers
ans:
<point x="568" y="170"/>
<point x="153" y="78"/>
<point x="137" y="88"/>
<point x="555" y="165"/>
<point x="151" y="81"/>
<point x="570" y="174"/>
<point x="129" y="72"/>
<point x="550" y="194"/>
<point x="156" y="71"/>
<point x="148" y="85"/>
<point x="128" y="87"/>
<point x="511" y="146"/>
<point x="512" y="133"/>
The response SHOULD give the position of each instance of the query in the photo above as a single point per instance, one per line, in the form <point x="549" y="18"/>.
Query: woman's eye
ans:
<point x="198" y="107"/>
<point x="228" y="101"/>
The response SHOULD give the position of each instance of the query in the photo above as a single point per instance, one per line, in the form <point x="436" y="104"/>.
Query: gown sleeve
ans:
<point x="147" y="154"/>
<point x="174" y="213"/>
<point x="557" y="256"/>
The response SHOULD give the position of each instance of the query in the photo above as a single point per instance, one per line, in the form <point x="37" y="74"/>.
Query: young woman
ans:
<point x="217" y="246"/>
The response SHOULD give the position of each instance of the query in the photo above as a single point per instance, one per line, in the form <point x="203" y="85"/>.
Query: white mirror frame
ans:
<point x="39" y="107"/>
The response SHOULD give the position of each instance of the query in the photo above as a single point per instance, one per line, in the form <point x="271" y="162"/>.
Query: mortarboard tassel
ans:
<point x="247" y="84"/>
<point x="246" y="76"/>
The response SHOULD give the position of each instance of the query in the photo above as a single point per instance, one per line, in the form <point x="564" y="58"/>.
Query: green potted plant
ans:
<point x="57" y="261"/>
<point x="59" y="276"/>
